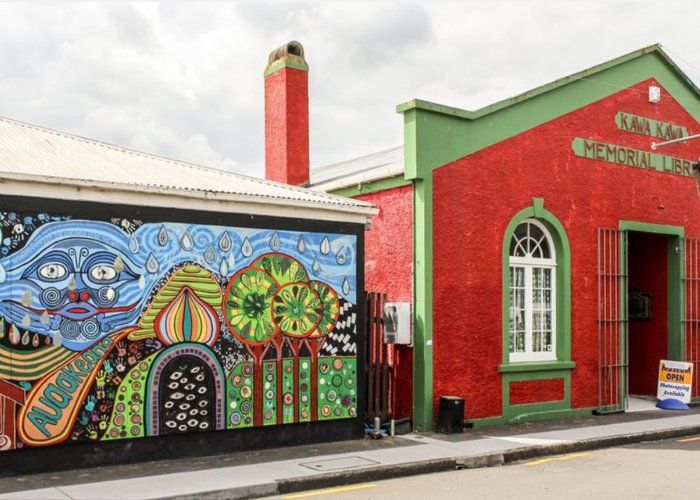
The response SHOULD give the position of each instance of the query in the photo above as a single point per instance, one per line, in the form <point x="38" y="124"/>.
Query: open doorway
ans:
<point x="653" y="310"/>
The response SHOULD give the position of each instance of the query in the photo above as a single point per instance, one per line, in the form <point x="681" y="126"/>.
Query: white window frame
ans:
<point x="529" y="263"/>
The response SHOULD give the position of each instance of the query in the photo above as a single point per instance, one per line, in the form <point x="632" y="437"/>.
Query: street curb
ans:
<point x="252" y="491"/>
<point x="381" y="472"/>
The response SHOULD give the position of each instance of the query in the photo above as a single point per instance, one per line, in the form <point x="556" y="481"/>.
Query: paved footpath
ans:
<point x="278" y="471"/>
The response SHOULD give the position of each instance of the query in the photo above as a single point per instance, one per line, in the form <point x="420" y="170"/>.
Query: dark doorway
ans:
<point x="187" y="396"/>
<point x="648" y="310"/>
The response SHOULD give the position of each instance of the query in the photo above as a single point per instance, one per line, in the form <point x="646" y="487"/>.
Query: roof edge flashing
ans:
<point x="419" y="104"/>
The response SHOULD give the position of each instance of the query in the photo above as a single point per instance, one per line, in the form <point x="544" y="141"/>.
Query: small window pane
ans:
<point x="519" y="342"/>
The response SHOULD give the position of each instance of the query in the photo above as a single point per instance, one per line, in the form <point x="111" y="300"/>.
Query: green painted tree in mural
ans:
<point x="330" y="310"/>
<point x="247" y="305"/>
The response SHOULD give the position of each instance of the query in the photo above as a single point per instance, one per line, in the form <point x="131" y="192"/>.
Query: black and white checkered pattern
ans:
<point x="342" y="341"/>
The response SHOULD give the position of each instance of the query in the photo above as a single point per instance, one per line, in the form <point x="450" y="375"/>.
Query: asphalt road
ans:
<point x="662" y="469"/>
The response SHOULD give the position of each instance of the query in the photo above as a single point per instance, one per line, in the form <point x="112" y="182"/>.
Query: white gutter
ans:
<point x="141" y="195"/>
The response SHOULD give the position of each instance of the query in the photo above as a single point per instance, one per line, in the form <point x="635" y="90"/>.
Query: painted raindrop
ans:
<point x="13" y="335"/>
<point x="301" y="244"/>
<point x="162" y="236"/>
<point x="3" y="274"/>
<point x="210" y="255"/>
<point x="26" y="321"/>
<point x="316" y="266"/>
<point x="246" y="248"/>
<point x="275" y="243"/>
<point x="118" y="264"/>
<point x="152" y="264"/>
<point x="57" y="340"/>
<point x="325" y="246"/>
<point x="25" y="338"/>
<point x="231" y="261"/>
<point x="223" y="268"/>
<point x="186" y="241"/>
<point x="35" y="340"/>
<point x="27" y="298"/>
<point x="225" y="242"/>
<point x="44" y="319"/>
<point x="142" y="282"/>
<point x="346" y="286"/>
<point x="341" y="257"/>
<point x="72" y="285"/>
<point x="133" y="244"/>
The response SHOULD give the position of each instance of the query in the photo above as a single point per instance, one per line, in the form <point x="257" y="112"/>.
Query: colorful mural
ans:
<point x="120" y="329"/>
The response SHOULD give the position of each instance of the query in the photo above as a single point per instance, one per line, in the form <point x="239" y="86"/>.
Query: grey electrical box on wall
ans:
<point x="397" y="323"/>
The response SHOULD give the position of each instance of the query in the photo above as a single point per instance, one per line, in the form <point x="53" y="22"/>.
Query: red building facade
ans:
<point x="554" y="246"/>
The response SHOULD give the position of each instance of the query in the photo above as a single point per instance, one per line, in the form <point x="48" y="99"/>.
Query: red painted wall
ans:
<point x="531" y="391"/>
<point x="476" y="197"/>
<point x="389" y="269"/>
<point x="648" y="340"/>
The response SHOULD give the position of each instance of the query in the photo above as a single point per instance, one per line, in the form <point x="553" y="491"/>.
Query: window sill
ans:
<point x="536" y="366"/>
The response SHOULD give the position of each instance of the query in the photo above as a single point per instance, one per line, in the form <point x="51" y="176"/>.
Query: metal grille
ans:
<point x="612" y="320"/>
<point x="691" y="318"/>
<point x="378" y="367"/>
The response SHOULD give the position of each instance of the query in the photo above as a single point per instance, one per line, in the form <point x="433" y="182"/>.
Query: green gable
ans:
<point x="435" y="135"/>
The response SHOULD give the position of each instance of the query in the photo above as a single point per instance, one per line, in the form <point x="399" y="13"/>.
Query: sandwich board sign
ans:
<point x="675" y="381"/>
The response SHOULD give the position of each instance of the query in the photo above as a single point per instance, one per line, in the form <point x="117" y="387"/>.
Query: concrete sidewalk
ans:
<point x="285" y="470"/>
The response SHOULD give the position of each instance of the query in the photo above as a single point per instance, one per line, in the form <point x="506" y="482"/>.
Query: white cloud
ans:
<point x="185" y="79"/>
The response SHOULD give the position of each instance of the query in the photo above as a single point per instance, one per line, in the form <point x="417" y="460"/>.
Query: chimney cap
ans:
<point x="293" y="49"/>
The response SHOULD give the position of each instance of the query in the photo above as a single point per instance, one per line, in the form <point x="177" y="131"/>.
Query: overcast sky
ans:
<point x="185" y="79"/>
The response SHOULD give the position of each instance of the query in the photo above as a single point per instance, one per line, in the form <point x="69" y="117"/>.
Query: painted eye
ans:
<point x="103" y="273"/>
<point x="53" y="271"/>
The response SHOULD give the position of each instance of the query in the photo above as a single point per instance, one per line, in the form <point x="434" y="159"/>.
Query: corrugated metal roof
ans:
<point x="373" y="167"/>
<point x="35" y="153"/>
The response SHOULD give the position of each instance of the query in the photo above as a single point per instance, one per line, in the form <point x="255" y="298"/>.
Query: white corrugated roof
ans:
<point x="32" y="153"/>
<point x="372" y="167"/>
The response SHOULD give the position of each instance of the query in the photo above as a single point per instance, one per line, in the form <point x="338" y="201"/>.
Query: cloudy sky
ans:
<point x="185" y="79"/>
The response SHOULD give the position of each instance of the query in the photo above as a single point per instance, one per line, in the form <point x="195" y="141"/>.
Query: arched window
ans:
<point x="532" y="321"/>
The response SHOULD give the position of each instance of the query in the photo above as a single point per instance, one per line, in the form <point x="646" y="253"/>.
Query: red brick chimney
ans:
<point x="287" y="115"/>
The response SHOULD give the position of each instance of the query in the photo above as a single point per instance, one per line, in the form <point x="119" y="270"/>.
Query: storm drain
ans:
<point x="339" y="464"/>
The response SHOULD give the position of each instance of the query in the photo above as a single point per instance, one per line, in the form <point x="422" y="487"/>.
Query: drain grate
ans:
<point x="339" y="464"/>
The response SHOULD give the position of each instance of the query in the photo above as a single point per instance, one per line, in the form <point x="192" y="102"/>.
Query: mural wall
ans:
<point x="119" y="329"/>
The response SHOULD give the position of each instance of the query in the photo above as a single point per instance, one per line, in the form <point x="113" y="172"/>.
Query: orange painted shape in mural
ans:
<point x="53" y="403"/>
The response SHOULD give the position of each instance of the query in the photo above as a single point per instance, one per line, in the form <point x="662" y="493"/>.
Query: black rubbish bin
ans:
<point x="450" y="415"/>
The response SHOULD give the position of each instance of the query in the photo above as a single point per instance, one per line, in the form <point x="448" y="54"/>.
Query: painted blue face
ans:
<point x="75" y="279"/>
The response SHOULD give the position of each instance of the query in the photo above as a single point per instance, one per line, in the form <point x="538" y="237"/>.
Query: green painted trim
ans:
<point x="635" y="158"/>
<point x="563" y="275"/>
<point x="644" y="227"/>
<point x="510" y="410"/>
<point x="674" y="265"/>
<point x="536" y="367"/>
<point x="488" y="421"/>
<point x="537" y="416"/>
<point x="372" y="187"/>
<point x="537" y="91"/>
<point x="561" y="368"/>
<point x="286" y="62"/>
<point x="423" y="306"/>
<point x="675" y="300"/>
<point x="442" y="134"/>
<point x="570" y="413"/>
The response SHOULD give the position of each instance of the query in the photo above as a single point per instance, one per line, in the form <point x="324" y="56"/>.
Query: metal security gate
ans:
<point x="691" y="318"/>
<point x="379" y="369"/>
<point x="612" y="320"/>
